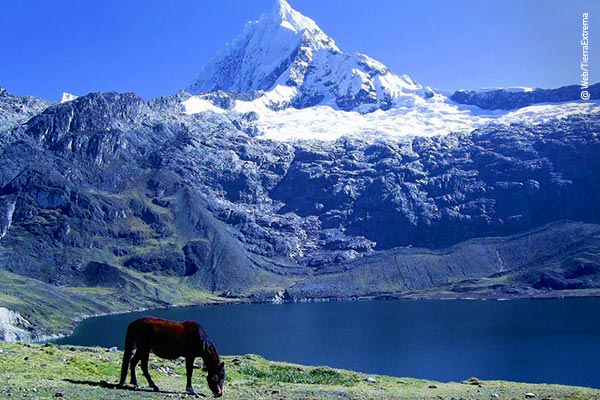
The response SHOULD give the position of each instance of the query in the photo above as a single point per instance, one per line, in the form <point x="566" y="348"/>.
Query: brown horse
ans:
<point x="170" y="340"/>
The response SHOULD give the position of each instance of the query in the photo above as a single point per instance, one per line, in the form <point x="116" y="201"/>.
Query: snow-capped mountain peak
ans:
<point x="285" y="52"/>
<point x="298" y="84"/>
<point x="288" y="18"/>
<point x="275" y="47"/>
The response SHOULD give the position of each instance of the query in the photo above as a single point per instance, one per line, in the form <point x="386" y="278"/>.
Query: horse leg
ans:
<point x="124" y="367"/>
<point x="134" y="360"/>
<point x="144" y="365"/>
<point x="189" y="370"/>
<point x="127" y="353"/>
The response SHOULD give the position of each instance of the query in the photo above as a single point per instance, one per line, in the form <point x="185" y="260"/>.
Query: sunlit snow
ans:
<point x="420" y="117"/>
<point x="67" y="97"/>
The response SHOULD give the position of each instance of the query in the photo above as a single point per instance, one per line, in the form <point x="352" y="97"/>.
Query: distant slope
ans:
<point x="562" y="256"/>
<point x="511" y="99"/>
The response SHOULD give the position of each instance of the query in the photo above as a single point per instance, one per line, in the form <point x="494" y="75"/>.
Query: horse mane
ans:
<point x="209" y="352"/>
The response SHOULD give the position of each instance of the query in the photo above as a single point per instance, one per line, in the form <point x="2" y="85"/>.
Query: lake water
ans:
<point x="549" y="341"/>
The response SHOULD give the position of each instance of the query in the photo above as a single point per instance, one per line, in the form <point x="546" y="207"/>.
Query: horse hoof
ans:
<point x="190" y="391"/>
<point x="156" y="388"/>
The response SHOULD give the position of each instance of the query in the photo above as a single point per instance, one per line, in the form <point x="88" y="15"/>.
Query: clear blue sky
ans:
<point x="155" y="48"/>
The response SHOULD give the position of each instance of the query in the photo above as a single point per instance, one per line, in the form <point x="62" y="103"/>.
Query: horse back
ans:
<point x="167" y="339"/>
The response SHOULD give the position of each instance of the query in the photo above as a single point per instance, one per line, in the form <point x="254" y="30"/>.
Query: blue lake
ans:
<point x="549" y="341"/>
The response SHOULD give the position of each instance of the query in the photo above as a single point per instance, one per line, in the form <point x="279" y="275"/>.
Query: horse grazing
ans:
<point x="170" y="340"/>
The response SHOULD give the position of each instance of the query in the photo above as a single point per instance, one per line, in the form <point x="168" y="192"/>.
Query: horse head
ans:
<point x="216" y="379"/>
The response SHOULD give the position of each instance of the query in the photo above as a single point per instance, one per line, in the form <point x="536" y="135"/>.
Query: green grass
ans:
<point x="294" y="374"/>
<point x="52" y="309"/>
<point x="31" y="371"/>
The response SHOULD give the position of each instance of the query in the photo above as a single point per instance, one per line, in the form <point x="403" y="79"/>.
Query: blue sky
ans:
<point x="155" y="48"/>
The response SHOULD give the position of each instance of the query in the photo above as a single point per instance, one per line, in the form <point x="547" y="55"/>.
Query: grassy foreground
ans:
<point x="31" y="371"/>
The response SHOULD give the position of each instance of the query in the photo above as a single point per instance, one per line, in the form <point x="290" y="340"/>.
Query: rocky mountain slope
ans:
<point x="15" y="110"/>
<point x="133" y="198"/>
<point x="109" y="202"/>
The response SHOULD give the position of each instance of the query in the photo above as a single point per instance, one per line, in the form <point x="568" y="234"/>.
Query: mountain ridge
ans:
<point x="510" y="99"/>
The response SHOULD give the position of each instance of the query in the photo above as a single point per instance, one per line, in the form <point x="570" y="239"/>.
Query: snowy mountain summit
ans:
<point x="289" y="56"/>
<point x="298" y="84"/>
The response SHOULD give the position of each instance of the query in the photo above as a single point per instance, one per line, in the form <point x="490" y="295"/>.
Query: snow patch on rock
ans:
<point x="6" y="217"/>
<point x="67" y="97"/>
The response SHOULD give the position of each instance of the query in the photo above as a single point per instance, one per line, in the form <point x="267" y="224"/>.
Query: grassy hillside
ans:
<point x="47" y="371"/>
<point x="52" y="310"/>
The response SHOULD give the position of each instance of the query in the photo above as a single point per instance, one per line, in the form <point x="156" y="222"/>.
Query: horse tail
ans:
<point x="127" y="352"/>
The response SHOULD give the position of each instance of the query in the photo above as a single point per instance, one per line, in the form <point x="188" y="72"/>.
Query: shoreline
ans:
<point x="375" y="297"/>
